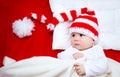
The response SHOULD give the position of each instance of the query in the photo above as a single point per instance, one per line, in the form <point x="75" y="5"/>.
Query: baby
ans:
<point x="88" y="57"/>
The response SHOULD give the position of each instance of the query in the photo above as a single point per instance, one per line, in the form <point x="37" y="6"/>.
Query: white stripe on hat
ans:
<point x="58" y="16"/>
<point x="87" y="21"/>
<point x="69" y="15"/>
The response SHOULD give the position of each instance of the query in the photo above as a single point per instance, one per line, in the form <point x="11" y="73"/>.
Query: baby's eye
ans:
<point x="73" y="35"/>
<point x="82" y="35"/>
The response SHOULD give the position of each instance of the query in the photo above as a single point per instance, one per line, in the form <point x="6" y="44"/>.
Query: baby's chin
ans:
<point x="79" y="48"/>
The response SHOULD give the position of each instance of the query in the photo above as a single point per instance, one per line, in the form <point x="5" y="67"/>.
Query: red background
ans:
<point x="39" y="44"/>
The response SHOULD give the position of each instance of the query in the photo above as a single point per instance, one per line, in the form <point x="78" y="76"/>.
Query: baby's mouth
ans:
<point x="76" y="44"/>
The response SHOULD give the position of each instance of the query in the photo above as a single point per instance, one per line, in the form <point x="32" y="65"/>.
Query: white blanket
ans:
<point x="48" y="67"/>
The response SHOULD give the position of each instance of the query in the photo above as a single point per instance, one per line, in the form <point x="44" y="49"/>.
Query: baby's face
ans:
<point x="81" y="41"/>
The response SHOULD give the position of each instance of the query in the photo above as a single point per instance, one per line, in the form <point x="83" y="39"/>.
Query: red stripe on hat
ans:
<point x="87" y="11"/>
<point x="73" y="14"/>
<point x="64" y="16"/>
<point x="84" y="10"/>
<point x="91" y="13"/>
<point x="85" y="26"/>
<point x="94" y="19"/>
<point x="55" y="21"/>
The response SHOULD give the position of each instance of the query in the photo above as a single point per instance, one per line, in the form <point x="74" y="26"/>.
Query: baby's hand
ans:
<point x="79" y="68"/>
<point x="78" y="55"/>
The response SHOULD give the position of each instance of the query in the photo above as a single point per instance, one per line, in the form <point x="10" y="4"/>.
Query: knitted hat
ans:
<point x="86" y="23"/>
<point x="61" y="17"/>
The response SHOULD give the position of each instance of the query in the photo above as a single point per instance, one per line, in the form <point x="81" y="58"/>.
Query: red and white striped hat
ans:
<point x="86" y="23"/>
<point x="61" y="17"/>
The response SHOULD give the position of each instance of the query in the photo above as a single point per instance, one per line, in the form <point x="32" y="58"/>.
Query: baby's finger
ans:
<point x="76" y="64"/>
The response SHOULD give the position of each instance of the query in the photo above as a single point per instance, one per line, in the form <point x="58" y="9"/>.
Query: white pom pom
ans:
<point x="23" y="28"/>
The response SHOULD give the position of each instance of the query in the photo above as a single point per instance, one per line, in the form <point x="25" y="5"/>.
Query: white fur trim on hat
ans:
<point x="84" y="31"/>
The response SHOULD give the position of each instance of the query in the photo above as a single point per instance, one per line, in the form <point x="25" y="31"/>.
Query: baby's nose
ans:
<point x="77" y="38"/>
